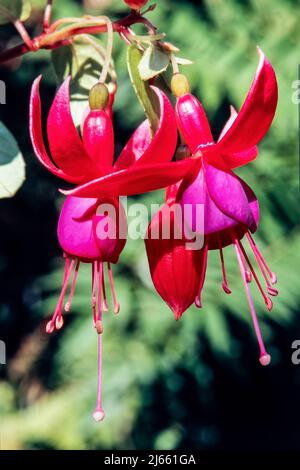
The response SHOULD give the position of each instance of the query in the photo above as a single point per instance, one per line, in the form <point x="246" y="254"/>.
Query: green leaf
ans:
<point x="142" y="89"/>
<point x="12" y="166"/>
<point x="83" y="60"/>
<point x="154" y="62"/>
<point x="11" y="10"/>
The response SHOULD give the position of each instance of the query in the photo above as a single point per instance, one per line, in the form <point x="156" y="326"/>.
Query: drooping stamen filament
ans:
<point x="100" y="284"/>
<point x="73" y="285"/>
<point x="248" y="274"/>
<point x="57" y="319"/>
<point x="264" y="358"/>
<point x="198" y="301"/>
<point x="104" y="304"/>
<point x="94" y="289"/>
<point x="112" y="288"/>
<point x="99" y="412"/>
<point x="263" y="266"/>
<point x="224" y="283"/>
<point x="244" y="255"/>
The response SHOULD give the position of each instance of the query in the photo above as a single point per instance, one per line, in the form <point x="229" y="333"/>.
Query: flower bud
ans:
<point x="136" y="4"/>
<point x="180" y="85"/>
<point x="99" y="96"/>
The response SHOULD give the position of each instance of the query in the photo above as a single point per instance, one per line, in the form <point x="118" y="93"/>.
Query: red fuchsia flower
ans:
<point x="143" y="165"/>
<point x="174" y="268"/>
<point x="231" y="209"/>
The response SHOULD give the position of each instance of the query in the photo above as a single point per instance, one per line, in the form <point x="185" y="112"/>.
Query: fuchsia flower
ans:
<point x="174" y="269"/>
<point x="144" y="165"/>
<point x="231" y="209"/>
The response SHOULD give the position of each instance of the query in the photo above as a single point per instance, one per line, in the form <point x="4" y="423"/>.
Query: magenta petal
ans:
<point x="193" y="123"/>
<point x="136" y="180"/>
<point x="36" y="134"/>
<point x="228" y="194"/>
<point x="98" y="138"/>
<point x="142" y="148"/>
<point x="196" y="202"/>
<point x="76" y="236"/>
<point x="66" y="147"/>
<point x="256" y="115"/>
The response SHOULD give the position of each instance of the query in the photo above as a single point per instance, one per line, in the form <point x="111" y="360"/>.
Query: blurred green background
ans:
<point x="196" y="383"/>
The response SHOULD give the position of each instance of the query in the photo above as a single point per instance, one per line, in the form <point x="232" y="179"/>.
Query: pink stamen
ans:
<point x="224" y="283"/>
<point x="198" y="301"/>
<point x="247" y="274"/>
<point x="73" y="285"/>
<point x="264" y="358"/>
<point x="104" y="304"/>
<point x="112" y="288"/>
<point x="99" y="412"/>
<point x="244" y="255"/>
<point x="57" y="321"/>
<point x="100" y="283"/>
<point x="271" y="290"/>
<point x="94" y="288"/>
<point x="273" y="277"/>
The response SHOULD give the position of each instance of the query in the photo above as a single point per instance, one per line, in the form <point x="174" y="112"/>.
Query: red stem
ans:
<point x="40" y="42"/>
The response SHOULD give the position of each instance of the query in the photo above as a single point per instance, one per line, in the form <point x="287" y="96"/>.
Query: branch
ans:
<point x="55" y="39"/>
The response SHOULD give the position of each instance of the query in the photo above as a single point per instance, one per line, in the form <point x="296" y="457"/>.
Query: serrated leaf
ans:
<point x="153" y="62"/>
<point x="12" y="166"/>
<point x="83" y="62"/>
<point x="142" y="89"/>
<point x="11" y="10"/>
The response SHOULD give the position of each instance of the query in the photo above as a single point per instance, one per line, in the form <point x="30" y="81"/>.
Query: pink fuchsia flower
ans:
<point x="231" y="209"/>
<point x="144" y="165"/>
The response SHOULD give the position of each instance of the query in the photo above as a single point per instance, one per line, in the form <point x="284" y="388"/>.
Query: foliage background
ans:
<point x="193" y="384"/>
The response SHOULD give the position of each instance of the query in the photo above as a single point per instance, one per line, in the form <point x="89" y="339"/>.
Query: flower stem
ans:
<point x="54" y="38"/>
<point x="24" y="35"/>
<point x="109" y="48"/>
<point x="47" y="15"/>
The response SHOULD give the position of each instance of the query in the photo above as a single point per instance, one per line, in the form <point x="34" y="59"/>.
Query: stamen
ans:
<point x="104" y="304"/>
<point x="57" y="321"/>
<point x="243" y="253"/>
<point x="247" y="273"/>
<point x="98" y="415"/>
<point x="198" y="301"/>
<point x="73" y="285"/>
<point x="271" y="290"/>
<point x="224" y="283"/>
<point x="264" y="358"/>
<point x="273" y="277"/>
<point x="112" y="288"/>
<point x="94" y="288"/>
<point x="100" y="282"/>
